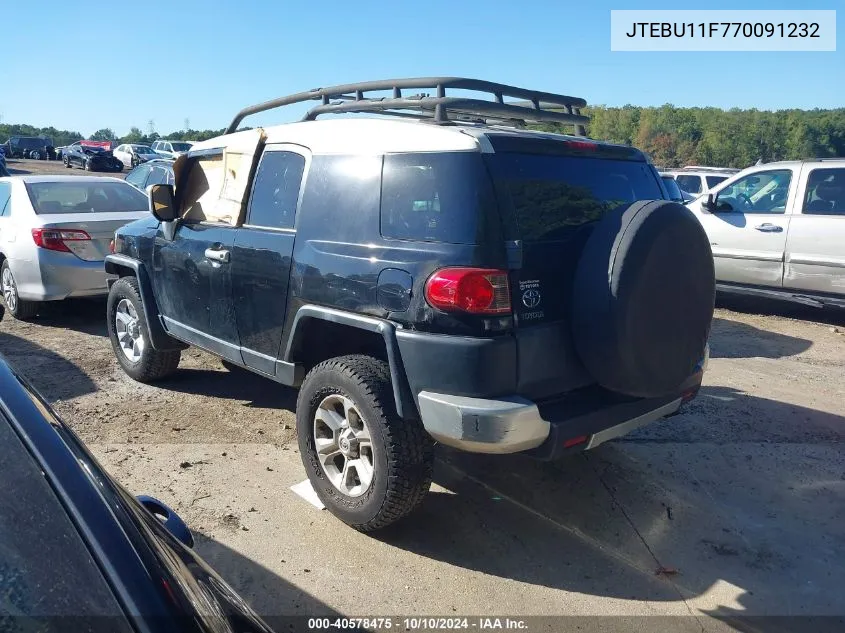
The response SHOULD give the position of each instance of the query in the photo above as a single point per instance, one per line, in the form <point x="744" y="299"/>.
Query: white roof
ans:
<point x="361" y="136"/>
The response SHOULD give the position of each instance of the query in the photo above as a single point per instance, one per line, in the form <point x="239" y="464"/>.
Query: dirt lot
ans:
<point x="743" y="495"/>
<point x="25" y="167"/>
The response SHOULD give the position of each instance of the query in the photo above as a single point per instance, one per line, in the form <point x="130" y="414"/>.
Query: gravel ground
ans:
<point x="740" y="499"/>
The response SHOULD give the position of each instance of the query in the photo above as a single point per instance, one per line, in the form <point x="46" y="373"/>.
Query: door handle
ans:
<point x="221" y="256"/>
<point x="767" y="227"/>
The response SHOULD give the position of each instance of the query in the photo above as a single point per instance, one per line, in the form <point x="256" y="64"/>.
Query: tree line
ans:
<point x="672" y="136"/>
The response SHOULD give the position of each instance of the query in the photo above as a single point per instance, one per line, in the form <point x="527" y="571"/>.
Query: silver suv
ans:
<point x="171" y="149"/>
<point x="777" y="229"/>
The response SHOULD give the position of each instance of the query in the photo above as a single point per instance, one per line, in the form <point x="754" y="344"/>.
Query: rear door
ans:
<point x="263" y="250"/>
<point x="553" y="202"/>
<point x="747" y="230"/>
<point x="815" y="245"/>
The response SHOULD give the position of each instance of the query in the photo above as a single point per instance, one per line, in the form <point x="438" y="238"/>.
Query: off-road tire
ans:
<point x="403" y="453"/>
<point x="23" y="310"/>
<point x="153" y="364"/>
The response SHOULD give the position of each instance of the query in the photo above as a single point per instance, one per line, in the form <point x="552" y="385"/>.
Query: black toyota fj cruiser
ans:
<point x="454" y="278"/>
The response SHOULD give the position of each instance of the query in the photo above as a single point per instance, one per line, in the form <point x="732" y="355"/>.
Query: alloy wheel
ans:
<point x="10" y="290"/>
<point x="127" y="326"/>
<point x="343" y="444"/>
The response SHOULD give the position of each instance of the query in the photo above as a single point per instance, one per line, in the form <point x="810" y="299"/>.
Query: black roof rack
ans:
<point x="534" y="107"/>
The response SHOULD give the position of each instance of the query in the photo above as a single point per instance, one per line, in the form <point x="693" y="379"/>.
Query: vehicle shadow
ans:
<point x="745" y="519"/>
<point x="234" y="384"/>
<point x="81" y="315"/>
<point x="281" y="603"/>
<point x="734" y="339"/>
<point x="50" y="373"/>
<point x="14" y="168"/>
<point x="787" y="309"/>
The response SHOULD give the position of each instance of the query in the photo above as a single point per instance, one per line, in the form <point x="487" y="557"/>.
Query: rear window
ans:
<point x="689" y="183"/>
<point x="435" y="197"/>
<point x="550" y="196"/>
<point x="85" y="197"/>
<point x="673" y="189"/>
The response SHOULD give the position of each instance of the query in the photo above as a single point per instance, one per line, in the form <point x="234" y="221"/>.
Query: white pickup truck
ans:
<point x="778" y="230"/>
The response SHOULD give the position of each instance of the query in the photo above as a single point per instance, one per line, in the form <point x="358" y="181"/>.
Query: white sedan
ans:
<point x="54" y="234"/>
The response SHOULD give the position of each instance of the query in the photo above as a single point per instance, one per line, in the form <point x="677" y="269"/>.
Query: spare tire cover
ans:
<point x="643" y="298"/>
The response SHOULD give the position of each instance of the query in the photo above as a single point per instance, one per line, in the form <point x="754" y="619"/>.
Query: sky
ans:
<point x="121" y="64"/>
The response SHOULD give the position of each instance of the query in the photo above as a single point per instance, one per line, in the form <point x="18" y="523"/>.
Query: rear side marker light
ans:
<point x="472" y="290"/>
<point x="575" y="441"/>
<point x="54" y="239"/>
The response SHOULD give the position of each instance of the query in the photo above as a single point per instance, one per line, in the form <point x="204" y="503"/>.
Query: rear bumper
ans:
<point x="53" y="276"/>
<point x="513" y="425"/>
<point x="581" y="420"/>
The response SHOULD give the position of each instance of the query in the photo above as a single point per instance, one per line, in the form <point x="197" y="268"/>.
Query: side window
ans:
<point x="689" y="183"/>
<point x="712" y="181"/>
<point x="5" y="194"/>
<point x="276" y="190"/>
<point x="760" y="192"/>
<point x="168" y="147"/>
<point x="138" y="176"/>
<point x="201" y="190"/>
<point x="825" y="192"/>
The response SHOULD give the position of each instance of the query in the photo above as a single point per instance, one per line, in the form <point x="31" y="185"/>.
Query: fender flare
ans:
<point x="123" y="266"/>
<point x="405" y="405"/>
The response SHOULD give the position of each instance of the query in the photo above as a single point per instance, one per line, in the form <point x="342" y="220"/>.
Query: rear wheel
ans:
<point x="130" y="336"/>
<point x="17" y="307"/>
<point x="87" y="166"/>
<point x="369" y="467"/>
<point x="35" y="155"/>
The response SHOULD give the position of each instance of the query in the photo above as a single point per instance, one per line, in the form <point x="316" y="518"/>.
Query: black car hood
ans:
<point x="179" y="590"/>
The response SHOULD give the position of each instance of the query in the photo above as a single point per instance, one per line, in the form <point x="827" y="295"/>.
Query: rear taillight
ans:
<point x="111" y="247"/>
<point x="54" y="239"/>
<point x="473" y="290"/>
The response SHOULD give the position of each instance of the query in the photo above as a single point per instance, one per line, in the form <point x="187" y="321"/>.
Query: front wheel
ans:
<point x="66" y="162"/>
<point x="17" y="307"/>
<point x="369" y="467"/>
<point x="130" y="336"/>
<point x="87" y="166"/>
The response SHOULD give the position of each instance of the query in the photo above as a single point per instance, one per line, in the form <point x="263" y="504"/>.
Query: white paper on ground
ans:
<point x="306" y="491"/>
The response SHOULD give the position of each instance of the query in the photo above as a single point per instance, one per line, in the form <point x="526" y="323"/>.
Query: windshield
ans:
<point x="673" y="189"/>
<point x="551" y="196"/>
<point x="45" y="567"/>
<point x="85" y="197"/>
<point x="142" y="149"/>
<point x="181" y="147"/>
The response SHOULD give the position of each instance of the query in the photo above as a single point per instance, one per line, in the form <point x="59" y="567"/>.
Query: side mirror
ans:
<point x="161" y="202"/>
<point x="172" y="521"/>
<point x="709" y="203"/>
